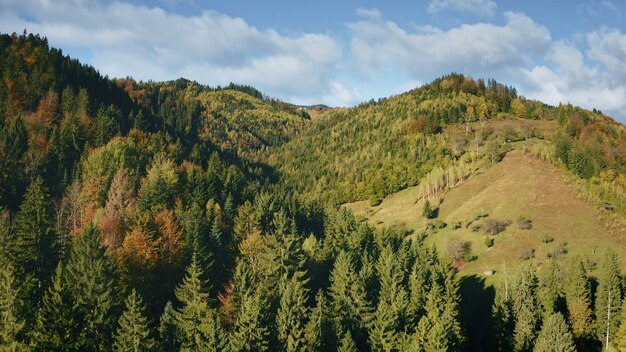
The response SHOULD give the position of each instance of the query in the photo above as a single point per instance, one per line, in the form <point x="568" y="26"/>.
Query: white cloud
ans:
<point x="520" y="52"/>
<point x="478" y="7"/>
<point x="591" y="80"/>
<point x="428" y="52"/>
<point x="150" y="43"/>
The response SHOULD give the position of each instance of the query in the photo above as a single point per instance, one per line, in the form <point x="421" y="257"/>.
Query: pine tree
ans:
<point x="392" y="302"/>
<point x="554" y="336"/>
<point x="503" y="317"/>
<point x="608" y="298"/>
<point x="347" y="343"/>
<point x="195" y="321"/>
<point x="167" y="330"/>
<point x="318" y="331"/>
<point x="526" y="310"/>
<point x="56" y="325"/>
<point x="578" y="296"/>
<point x="292" y="313"/>
<point x="10" y="324"/>
<point x="249" y="331"/>
<point x="435" y="331"/>
<point x="551" y="291"/>
<point x="35" y="247"/>
<point x="349" y="304"/>
<point x="133" y="333"/>
<point x="93" y="289"/>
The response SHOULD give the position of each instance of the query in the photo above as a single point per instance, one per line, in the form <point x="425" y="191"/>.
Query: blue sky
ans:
<point x="343" y="52"/>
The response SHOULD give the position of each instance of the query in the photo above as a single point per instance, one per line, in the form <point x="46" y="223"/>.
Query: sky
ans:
<point x="343" y="52"/>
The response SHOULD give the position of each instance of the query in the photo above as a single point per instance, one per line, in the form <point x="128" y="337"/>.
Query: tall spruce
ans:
<point x="393" y="301"/>
<point x="56" y="326"/>
<point x="195" y="321"/>
<point x="526" y="309"/>
<point x="578" y="297"/>
<point x="167" y="330"/>
<point x="133" y="333"/>
<point x="554" y="336"/>
<point x="11" y="326"/>
<point x="35" y="241"/>
<point x="608" y="298"/>
<point x="318" y="331"/>
<point x="293" y="313"/>
<point x="93" y="286"/>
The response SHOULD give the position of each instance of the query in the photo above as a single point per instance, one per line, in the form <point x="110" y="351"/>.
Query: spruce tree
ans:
<point x="195" y="321"/>
<point x="578" y="296"/>
<point x="318" y="331"/>
<point x="554" y="336"/>
<point x="526" y="309"/>
<point x="435" y="331"/>
<point x="608" y="298"/>
<point x="133" y="333"/>
<point x="250" y="331"/>
<point x="292" y="313"/>
<point x="35" y="247"/>
<point x="347" y="343"/>
<point x="56" y="325"/>
<point x="167" y="330"/>
<point x="503" y="317"/>
<point x="11" y="325"/>
<point x="393" y="302"/>
<point x="93" y="289"/>
<point x="349" y="304"/>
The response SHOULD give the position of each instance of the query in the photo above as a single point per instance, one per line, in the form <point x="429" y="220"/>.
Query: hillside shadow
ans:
<point x="476" y="302"/>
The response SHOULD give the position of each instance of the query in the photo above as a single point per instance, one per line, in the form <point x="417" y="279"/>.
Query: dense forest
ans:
<point x="167" y="216"/>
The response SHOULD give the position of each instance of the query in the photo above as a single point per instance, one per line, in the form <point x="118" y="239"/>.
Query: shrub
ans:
<point x="438" y="224"/>
<point x="476" y="227"/>
<point x="526" y="253"/>
<point x="374" y="201"/>
<point x="459" y="250"/>
<point x="546" y="238"/>
<point x="494" y="227"/>
<point x="524" y="223"/>
<point x="489" y="242"/>
<point x="427" y="210"/>
<point x="456" y="225"/>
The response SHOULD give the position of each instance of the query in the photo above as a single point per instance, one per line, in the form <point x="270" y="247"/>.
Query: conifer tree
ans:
<point x="318" y="331"/>
<point x="526" y="309"/>
<point x="435" y="331"/>
<point x="167" y="330"/>
<point x="10" y="324"/>
<point x="503" y="317"/>
<point x="393" y="302"/>
<point x="292" y="313"/>
<point x="578" y="296"/>
<point x="35" y="247"/>
<point x="349" y="304"/>
<point x="133" y="333"/>
<point x="56" y="326"/>
<point x="347" y="343"/>
<point x="608" y="298"/>
<point x="554" y="336"/>
<point x="551" y="291"/>
<point x="250" y="331"/>
<point x="195" y="320"/>
<point x="93" y="289"/>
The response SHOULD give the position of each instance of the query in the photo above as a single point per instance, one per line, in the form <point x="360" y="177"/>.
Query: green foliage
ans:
<point x="526" y="309"/>
<point x="196" y="324"/>
<point x="554" y="336"/>
<point x="292" y="313"/>
<point x="35" y="242"/>
<point x="608" y="298"/>
<point x="10" y="323"/>
<point x="93" y="287"/>
<point x="427" y="210"/>
<point x="133" y="333"/>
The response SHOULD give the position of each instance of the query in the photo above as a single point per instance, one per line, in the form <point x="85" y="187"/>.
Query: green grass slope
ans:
<point x="519" y="186"/>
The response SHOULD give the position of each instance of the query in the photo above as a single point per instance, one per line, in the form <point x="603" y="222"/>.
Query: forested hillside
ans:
<point x="172" y="216"/>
